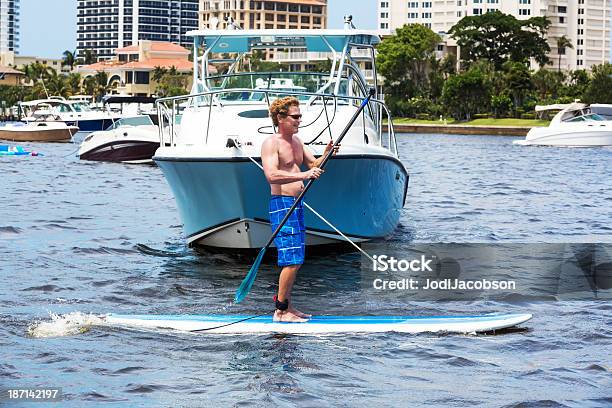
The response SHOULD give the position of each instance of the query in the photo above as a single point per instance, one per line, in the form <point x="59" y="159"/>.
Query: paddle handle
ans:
<point x="323" y="163"/>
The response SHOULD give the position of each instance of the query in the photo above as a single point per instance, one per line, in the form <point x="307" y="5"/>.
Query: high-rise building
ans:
<point x="279" y="14"/>
<point x="586" y="23"/>
<point x="105" y="25"/>
<point x="9" y="26"/>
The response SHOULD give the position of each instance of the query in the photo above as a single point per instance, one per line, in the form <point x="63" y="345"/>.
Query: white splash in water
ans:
<point x="64" y="325"/>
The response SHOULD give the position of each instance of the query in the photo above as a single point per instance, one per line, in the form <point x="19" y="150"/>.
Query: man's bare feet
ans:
<point x="287" y="316"/>
<point x="298" y="313"/>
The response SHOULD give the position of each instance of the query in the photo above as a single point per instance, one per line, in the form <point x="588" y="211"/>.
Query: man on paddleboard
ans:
<point x="282" y="156"/>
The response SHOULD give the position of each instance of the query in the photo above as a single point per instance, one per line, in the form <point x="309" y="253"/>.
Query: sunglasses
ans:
<point x="296" y="117"/>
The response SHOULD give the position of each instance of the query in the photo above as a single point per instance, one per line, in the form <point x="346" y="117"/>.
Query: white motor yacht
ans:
<point x="129" y="140"/>
<point x="212" y="162"/>
<point x="45" y="129"/>
<point x="574" y="126"/>
<point x="72" y="113"/>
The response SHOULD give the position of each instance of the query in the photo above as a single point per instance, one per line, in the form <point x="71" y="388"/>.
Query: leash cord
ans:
<point x="229" y="324"/>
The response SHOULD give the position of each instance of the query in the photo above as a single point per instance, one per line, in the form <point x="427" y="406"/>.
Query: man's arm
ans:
<point x="269" y="160"/>
<point x="309" y="158"/>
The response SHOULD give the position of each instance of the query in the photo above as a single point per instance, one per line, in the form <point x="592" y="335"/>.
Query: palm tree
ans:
<point x="69" y="59"/>
<point x="57" y="84"/>
<point x="74" y="82"/>
<point x="101" y="79"/>
<point x="159" y="73"/>
<point x="87" y="57"/>
<point x="562" y="43"/>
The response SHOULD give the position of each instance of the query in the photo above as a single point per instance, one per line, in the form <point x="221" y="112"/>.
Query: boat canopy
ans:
<point x="241" y="41"/>
<point x="560" y="106"/>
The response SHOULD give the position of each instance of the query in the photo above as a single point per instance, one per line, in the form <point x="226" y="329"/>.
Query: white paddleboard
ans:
<point x="232" y="324"/>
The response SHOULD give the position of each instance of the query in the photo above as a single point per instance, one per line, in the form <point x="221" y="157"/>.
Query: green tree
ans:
<point x="562" y="43"/>
<point x="548" y="84"/>
<point x="172" y="83"/>
<point x="501" y="104"/>
<point x="579" y="81"/>
<point x="87" y="57"/>
<point x="322" y="66"/>
<point x="102" y="87"/>
<point x="158" y="73"/>
<point x="56" y="84"/>
<point x="259" y="64"/>
<point x="599" y="89"/>
<point x="518" y="81"/>
<point x="466" y="94"/>
<point x="90" y="85"/>
<point x="69" y="59"/>
<point x="500" y="37"/>
<point x="12" y="94"/>
<point x="404" y="58"/>
<point x="74" y="80"/>
<point x="448" y="65"/>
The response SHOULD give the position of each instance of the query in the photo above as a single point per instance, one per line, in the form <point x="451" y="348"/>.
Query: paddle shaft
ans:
<point x="321" y="166"/>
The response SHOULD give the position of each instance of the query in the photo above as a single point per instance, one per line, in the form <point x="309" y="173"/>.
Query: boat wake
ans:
<point x="64" y="325"/>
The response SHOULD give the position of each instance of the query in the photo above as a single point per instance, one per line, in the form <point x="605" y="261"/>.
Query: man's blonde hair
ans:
<point x="281" y="107"/>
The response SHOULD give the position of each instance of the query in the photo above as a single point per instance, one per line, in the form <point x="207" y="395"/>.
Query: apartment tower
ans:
<point x="9" y="26"/>
<point x="105" y="25"/>
<point x="287" y="14"/>
<point x="585" y="22"/>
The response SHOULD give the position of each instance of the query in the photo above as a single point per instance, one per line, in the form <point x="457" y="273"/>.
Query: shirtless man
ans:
<point x="282" y="155"/>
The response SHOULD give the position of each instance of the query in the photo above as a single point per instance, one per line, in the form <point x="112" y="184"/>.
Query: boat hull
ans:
<point x="36" y="135"/>
<point x="570" y="136"/>
<point x="127" y="151"/>
<point x="128" y="144"/>
<point x="223" y="202"/>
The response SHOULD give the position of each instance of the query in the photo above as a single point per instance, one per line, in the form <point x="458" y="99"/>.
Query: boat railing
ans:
<point x="170" y="109"/>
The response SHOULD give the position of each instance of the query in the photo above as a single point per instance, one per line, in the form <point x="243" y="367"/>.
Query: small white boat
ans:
<point x="129" y="140"/>
<point x="38" y="131"/>
<point x="576" y="125"/>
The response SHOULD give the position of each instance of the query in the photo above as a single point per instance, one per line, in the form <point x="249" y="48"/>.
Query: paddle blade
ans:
<point x="248" y="280"/>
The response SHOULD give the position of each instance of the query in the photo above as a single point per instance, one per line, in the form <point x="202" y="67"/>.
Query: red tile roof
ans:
<point x="9" y="70"/>
<point x="156" y="46"/>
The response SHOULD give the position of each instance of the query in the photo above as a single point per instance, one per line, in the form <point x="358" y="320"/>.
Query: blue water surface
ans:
<point x="102" y="237"/>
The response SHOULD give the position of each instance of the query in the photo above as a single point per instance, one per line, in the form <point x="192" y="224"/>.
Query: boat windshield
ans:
<point x="283" y="82"/>
<point x="587" y="118"/>
<point x="133" y="121"/>
<point x="80" y="107"/>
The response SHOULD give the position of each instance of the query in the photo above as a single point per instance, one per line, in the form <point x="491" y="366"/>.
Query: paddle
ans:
<point x="248" y="280"/>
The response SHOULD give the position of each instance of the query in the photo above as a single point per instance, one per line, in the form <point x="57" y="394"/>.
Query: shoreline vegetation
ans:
<point x="511" y="122"/>
<point x="482" y="126"/>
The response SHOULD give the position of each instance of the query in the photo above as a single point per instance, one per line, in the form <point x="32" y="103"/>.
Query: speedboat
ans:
<point x="212" y="162"/>
<point x="576" y="125"/>
<point x="72" y="113"/>
<point x="129" y="140"/>
<point x="39" y="130"/>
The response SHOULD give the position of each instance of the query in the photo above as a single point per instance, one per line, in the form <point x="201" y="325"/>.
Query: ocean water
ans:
<point x="80" y="239"/>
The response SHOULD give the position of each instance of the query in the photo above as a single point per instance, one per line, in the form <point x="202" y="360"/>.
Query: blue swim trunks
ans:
<point x="291" y="240"/>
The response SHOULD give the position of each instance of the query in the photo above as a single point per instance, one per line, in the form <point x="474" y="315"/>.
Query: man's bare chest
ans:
<point x="290" y="154"/>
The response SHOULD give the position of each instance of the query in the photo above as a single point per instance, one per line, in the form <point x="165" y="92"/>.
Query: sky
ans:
<point x="48" y="27"/>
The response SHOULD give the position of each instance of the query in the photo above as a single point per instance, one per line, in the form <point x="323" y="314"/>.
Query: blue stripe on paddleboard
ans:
<point x="364" y="320"/>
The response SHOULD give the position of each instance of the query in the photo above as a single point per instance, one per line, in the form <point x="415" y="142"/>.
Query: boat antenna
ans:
<point x="348" y="22"/>
<point x="42" y="81"/>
